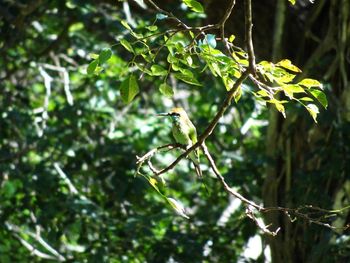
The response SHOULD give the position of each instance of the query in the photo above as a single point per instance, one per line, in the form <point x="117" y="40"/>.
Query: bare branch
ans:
<point x="222" y="25"/>
<point x="249" y="34"/>
<point x="222" y="180"/>
<point x="170" y="15"/>
<point x="17" y="231"/>
<point x="260" y="223"/>
<point x="149" y="154"/>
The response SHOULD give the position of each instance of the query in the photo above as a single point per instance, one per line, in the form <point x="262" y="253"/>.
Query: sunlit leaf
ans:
<point x="290" y="89"/>
<point x="279" y="105"/>
<point x="286" y="63"/>
<point x="228" y="82"/>
<point x="126" y="25"/>
<point x="187" y="79"/>
<point x="153" y="182"/>
<point x="92" y="67"/>
<point x="214" y="67"/>
<point x="175" y="67"/>
<point x="172" y="59"/>
<point x="189" y="60"/>
<point x="285" y="77"/>
<point x="186" y="72"/>
<point x="129" y="89"/>
<point x="263" y="93"/>
<point x="93" y="55"/>
<point x="105" y="55"/>
<point x="238" y="93"/>
<point x="313" y="110"/>
<point x="309" y="83"/>
<point x="166" y="90"/>
<point x="231" y="38"/>
<point x="127" y="45"/>
<point x="152" y="28"/>
<point x="194" y="5"/>
<point x="158" y="70"/>
<point x="320" y="96"/>
<point x="306" y="99"/>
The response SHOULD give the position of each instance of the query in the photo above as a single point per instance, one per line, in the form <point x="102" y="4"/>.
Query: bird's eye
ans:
<point x="175" y="114"/>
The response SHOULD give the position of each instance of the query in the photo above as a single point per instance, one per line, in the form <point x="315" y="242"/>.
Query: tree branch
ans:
<point x="251" y="207"/>
<point x="249" y="34"/>
<point x="208" y="131"/>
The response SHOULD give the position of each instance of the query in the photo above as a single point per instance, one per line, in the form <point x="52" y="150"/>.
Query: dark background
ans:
<point x="102" y="213"/>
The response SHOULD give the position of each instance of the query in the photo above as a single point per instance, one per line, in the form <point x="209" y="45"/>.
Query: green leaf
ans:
<point x="166" y="90"/>
<point x="175" y="67"/>
<point x="158" y="70"/>
<point x="238" y="93"/>
<point x="309" y="83"/>
<point x="8" y="189"/>
<point x="188" y="79"/>
<point x="171" y="59"/>
<point x="92" y="67"/>
<point x="292" y="2"/>
<point x="186" y="72"/>
<point x="286" y="63"/>
<point x="189" y="60"/>
<point x="194" y="5"/>
<point x="263" y="93"/>
<point x="320" y="96"/>
<point x="126" y="25"/>
<point x="228" y="82"/>
<point x="93" y="55"/>
<point x="127" y="45"/>
<point x="231" y="38"/>
<point x="284" y="77"/>
<point x="279" y="106"/>
<point x="214" y="68"/>
<point x="129" y="89"/>
<point x="313" y="110"/>
<point x="281" y="109"/>
<point x="105" y="55"/>
<point x="290" y="89"/>
<point x="152" y="28"/>
<point x="306" y="99"/>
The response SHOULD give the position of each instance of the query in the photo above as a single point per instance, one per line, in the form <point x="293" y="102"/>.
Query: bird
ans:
<point x="185" y="133"/>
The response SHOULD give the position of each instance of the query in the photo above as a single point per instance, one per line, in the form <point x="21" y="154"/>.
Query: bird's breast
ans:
<point x="181" y="133"/>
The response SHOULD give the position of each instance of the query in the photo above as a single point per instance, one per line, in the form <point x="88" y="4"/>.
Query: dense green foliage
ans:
<point x="81" y="85"/>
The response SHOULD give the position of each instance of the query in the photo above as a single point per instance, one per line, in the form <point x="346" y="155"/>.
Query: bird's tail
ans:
<point x="198" y="170"/>
<point x="195" y="160"/>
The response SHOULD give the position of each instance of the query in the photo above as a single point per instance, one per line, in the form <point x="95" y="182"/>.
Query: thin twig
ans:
<point x="18" y="231"/>
<point x="222" y="179"/>
<point x="222" y="25"/>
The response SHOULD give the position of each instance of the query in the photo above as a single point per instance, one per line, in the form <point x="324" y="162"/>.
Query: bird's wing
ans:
<point x="193" y="134"/>
<point x="193" y="137"/>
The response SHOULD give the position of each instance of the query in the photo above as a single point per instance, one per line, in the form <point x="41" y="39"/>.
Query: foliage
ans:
<point x="81" y="84"/>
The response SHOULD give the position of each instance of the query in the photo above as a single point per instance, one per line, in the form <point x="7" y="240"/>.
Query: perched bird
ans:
<point x="184" y="133"/>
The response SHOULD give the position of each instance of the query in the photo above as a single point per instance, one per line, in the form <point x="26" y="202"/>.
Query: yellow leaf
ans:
<point x="286" y="63"/>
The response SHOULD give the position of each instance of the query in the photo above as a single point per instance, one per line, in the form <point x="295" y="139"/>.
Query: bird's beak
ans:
<point x="163" y="114"/>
